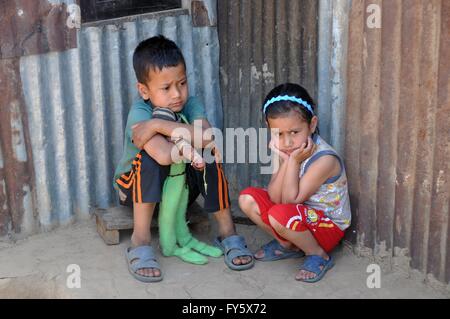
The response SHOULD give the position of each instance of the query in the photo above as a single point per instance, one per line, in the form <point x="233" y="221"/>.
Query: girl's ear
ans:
<point x="313" y="124"/>
<point x="266" y="120"/>
<point x="143" y="91"/>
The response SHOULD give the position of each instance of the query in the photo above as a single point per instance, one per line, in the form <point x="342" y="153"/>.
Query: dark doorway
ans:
<point x="94" y="10"/>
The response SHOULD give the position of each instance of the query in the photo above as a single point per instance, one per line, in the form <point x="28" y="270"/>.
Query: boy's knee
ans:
<point x="150" y="164"/>
<point x="152" y="178"/>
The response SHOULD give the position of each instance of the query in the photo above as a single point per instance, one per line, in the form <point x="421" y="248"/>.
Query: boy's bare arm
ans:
<point x="144" y="131"/>
<point x="160" y="149"/>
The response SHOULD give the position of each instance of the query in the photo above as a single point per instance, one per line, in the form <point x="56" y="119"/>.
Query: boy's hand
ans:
<point x="304" y="151"/>
<point x="197" y="162"/>
<point x="276" y="150"/>
<point x="141" y="134"/>
<point x="189" y="152"/>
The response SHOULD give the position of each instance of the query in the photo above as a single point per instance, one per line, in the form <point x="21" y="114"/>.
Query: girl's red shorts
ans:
<point x="297" y="217"/>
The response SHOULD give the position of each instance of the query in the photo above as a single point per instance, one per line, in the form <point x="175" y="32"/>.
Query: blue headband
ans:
<point x="288" y="98"/>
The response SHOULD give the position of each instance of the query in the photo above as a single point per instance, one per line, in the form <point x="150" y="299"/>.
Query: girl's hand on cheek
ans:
<point x="304" y="151"/>
<point x="276" y="150"/>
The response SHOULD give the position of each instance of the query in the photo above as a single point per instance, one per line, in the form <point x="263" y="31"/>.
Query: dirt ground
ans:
<point x="37" y="268"/>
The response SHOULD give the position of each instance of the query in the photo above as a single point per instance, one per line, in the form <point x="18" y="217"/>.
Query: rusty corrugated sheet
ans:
<point x="26" y="27"/>
<point x="34" y="27"/>
<point x="262" y="44"/>
<point x="75" y="104"/>
<point x="397" y="146"/>
<point x="16" y="170"/>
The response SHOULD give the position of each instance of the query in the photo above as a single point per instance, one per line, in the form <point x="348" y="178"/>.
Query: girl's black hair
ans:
<point x="281" y="108"/>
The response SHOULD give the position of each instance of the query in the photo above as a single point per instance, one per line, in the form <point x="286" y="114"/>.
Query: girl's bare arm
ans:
<point x="276" y="183"/>
<point x="297" y="190"/>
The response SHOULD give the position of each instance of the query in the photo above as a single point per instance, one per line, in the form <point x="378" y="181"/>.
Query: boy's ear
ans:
<point x="143" y="90"/>
<point x="313" y="125"/>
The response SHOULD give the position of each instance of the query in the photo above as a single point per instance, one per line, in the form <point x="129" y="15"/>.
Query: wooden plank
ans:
<point x="118" y="218"/>
<point x="110" y="237"/>
<point x="111" y="220"/>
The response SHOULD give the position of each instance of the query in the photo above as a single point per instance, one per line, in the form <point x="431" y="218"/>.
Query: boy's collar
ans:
<point x="148" y="103"/>
<point x="151" y="107"/>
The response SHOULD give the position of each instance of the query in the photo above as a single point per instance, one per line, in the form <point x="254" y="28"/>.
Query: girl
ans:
<point x="306" y="205"/>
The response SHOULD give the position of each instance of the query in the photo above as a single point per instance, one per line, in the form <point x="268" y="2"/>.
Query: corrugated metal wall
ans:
<point x="397" y="146"/>
<point x="262" y="44"/>
<point x="331" y="70"/>
<point x="77" y="103"/>
<point x="61" y="129"/>
<point x="26" y="27"/>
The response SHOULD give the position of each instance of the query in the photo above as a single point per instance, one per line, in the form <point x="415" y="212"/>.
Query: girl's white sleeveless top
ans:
<point x="332" y="196"/>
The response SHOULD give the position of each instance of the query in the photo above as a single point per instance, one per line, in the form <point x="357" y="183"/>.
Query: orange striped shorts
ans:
<point x="144" y="183"/>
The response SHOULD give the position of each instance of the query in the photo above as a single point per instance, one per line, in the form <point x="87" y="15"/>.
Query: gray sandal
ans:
<point x="145" y="257"/>
<point x="234" y="246"/>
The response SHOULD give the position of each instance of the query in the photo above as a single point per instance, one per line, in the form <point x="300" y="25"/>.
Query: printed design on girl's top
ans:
<point x="312" y="217"/>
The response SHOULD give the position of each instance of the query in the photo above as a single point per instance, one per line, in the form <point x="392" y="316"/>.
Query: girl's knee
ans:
<point x="246" y="203"/>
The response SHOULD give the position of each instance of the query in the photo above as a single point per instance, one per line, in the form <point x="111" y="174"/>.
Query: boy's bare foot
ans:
<point x="242" y="260"/>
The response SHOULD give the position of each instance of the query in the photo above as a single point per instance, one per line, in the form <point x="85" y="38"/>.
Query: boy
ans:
<point x="161" y="73"/>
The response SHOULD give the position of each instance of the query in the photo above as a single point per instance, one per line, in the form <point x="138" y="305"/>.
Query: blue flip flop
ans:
<point x="232" y="247"/>
<point x="313" y="263"/>
<point x="272" y="246"/>
<point x="142" y="257"/>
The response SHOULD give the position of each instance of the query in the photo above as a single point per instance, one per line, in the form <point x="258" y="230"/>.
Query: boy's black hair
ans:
<point x="280" y="108"/>
<point x="155" y="52"/>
